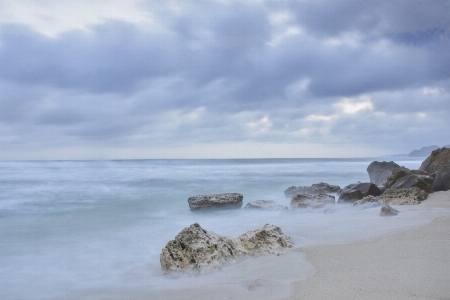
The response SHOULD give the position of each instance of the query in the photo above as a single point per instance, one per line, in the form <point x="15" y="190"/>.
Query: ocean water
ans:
<point x="69" y="226"/>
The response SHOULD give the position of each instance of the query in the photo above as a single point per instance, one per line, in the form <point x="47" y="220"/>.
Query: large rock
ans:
<point x="215" y="201"/>
<point x="437" y="158"/>
<point x="402" y="172"/>
<point x="421" y="181"/>
<point x="380" y="171"/>
<point x="312" y="201"/>
<point x="387" y="211"/>
<point x="197" y="250"/>
<point x="358" y="191"/>
<point x="316" y="188"/>
<point x="264" y="205"/>
<point x="409" y="196"/>
<point x="442" y="179"/>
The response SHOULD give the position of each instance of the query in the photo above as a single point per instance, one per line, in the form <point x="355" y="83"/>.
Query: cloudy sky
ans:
<point x="101" y="79"/>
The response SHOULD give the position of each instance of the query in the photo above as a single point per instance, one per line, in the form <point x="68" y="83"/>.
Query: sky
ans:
<point x="96" y="79"/>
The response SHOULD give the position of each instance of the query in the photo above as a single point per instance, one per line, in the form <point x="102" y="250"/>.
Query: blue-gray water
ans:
<point x="74" y="225"/>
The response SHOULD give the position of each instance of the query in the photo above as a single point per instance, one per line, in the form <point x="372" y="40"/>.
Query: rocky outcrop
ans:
<point x="409" y="196"/>
<point x="442" y="178"/>
<point x="437" y="158"/>
<point x="367" y="199"/>
<point x="387" y="211"/>
<point x="312" y="201"/>
<point x="423" y="182"/>
<point x="402" y="172"/>
<point x="195" y="249"/>
<point x="264" y="205"/>
<point x="358" y="191"/>
<point x="316" y="188"/>
<point x="215" y="201"/>
<point x="380" y="171"/>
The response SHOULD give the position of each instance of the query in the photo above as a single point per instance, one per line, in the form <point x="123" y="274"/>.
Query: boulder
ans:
<point x="265" y="205"/>
<point x="367" y="199"/>
<point x="442" y="178"/>
<point x="195" y="249"/>
<point x="380" y="171"/>
<point x="358" y="191"/>
<point x="402" y="172"/>
<point x="409" y="196"/>
<point x="316" y="188"/>
<point x="387" y="211"/>
<point x="312" y="201"/>
<point x="215" y="201"/>
<point x="421" y="181"/>
<point x="437" y="158"/>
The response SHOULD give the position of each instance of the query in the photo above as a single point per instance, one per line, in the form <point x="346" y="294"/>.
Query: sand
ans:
<point x="413" y="264"/>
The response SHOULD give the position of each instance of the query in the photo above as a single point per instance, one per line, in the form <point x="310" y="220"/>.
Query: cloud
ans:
<point x="171" y="74"/>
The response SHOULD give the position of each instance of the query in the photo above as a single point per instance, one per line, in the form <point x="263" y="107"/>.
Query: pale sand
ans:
<point x="413" y="264"/>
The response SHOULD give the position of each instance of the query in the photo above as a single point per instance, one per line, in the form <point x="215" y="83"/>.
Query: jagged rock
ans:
<point x="367" y="199"/>
<point x="316" y="188"/>
<point x="265" y="205"/>
<point x="421" y="181"/>
<point x="409" y="196"/>
<point x="313" y="201"/>
<point x="386" y="211"/>
<point x="402" y="172"/>
<point x="437" y="158"/>
<point x="380" y="171"/>
<point x="215" y="201"/>
<point x="358" y="191"/>
<point x="442" y="179"/>
<point x="198" y="250"/>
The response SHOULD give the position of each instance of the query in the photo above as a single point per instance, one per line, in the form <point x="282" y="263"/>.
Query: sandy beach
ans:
<point x="412" y="264"/>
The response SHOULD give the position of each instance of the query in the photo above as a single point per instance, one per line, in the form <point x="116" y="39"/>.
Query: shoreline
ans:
<point x="410" y="264"/>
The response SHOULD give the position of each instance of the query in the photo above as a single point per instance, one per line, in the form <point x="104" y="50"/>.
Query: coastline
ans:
<point x="411" y="264"/>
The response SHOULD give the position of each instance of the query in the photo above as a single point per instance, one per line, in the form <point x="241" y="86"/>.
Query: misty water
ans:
<point x="67" y="226"/>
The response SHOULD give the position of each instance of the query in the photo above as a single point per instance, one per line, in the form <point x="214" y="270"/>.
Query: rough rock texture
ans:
<point x="421" y="181"/>
<point x="197" y="250"/>
<point x="402" y="172"/>
<point x="380" y="171"/>
<point x="316" y="188"/>
<point x="437" y="158"/>
<point x="409" y="196"/>
<point x="265" y="205"/>
<point x="386" y="211"/>
<point x="358" y="191"/>
<point x="313" y="201"/>
<point x="367" y="199"/>
<point x="442" y="179"/>
<point x="215" y="201"/>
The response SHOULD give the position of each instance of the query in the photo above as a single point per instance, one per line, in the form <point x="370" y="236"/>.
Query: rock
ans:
<point x="442" y="179"/>
<point x="409" y="196"/>
<point x="402" y="172"/>
<point x="358" y="191"/>
<point x="198" y="250"/>
<point x="421" y="181"/>
<point x="423" y="152"/>
<point x="367" y="199"/>
<point x="437" y="158"/>
<point x="380" y="171"/>
<point x="215" y="201"/>
<point x="265" y="205"/>
<point x="312" y="201"/>
<point x="386" y="211"/>
<point x="316" y="188"/>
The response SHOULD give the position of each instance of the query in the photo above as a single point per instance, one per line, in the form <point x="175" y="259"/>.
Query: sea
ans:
<point x="69" y="226"/>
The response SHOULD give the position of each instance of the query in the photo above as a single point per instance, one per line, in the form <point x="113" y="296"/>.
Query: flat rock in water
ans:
<point x="411" y="196"/>
<point x="196" y="250"/>
<point x="380" y="171"/>
<point x="386" y="211"/>
<point x="367" y="199"/>
<point x="316" y="188"/>
<point x="312" y="201"/>
<point x="264" y="205"/>
<point x="216" y="201"/>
